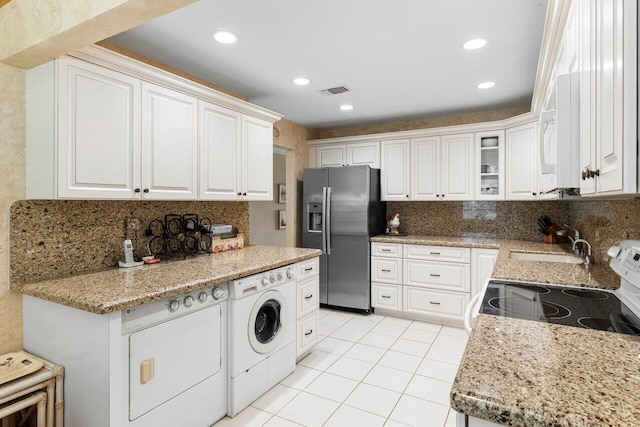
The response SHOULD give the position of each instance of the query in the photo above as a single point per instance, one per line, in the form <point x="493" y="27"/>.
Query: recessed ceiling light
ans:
<point x="485" y="85"/>
<point x="346" y="107"/>
<point x="474" y="44"/>
<point x="301" y="81"/>
<point x="225" y="37"/>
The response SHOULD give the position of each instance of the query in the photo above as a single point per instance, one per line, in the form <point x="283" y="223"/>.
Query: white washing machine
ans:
<point x="262" y="340"/>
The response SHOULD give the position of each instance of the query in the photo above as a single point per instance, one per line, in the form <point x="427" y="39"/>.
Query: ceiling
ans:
<point x="400" y="60"/>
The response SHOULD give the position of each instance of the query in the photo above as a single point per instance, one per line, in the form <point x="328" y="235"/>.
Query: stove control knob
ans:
<point x="265" y="281"/>
<point x="217" y="293"/>
<point x="272" y="278"/>
<point x="290" y="273"/>
<point x="613" y="251"/>
<point x="173" y="305"/>
<point x="188" y="301"/>
<point x="202" y="297"/>
<point x="279" y="276"/>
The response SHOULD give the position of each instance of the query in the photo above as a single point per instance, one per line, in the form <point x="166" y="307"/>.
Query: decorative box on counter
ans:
<point x="218" y="244"/>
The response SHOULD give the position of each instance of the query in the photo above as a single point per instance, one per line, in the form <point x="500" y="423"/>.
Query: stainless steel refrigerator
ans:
<point x="341" y="211"/>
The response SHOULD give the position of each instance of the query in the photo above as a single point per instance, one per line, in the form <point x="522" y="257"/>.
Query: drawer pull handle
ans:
<point x="308" y="333"/>
<point x="308" y="297"/>
<point x="434" y="303"/>
<point x="385" y="250"/>
<point x="308" y="269"/>
<point x="434" y="275"/>
<point x="434" y="253"/>
<point x="386" y="296"/>
<point x="386" y="271"/>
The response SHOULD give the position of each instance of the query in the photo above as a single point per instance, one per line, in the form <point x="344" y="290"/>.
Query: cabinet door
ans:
<point x="425" y="168"/>
<point x="332" y="156"/>
<point x="99" y="132"/>
<point x="482" y="262"/>
<point x="522" y="153"/>
<point x="394" y="170"/>
<point x="169" y="144"/>
<point x="587" y="59"/>
<point x="257" y="159"/>
<point x="365" y="153"/>
<point x="219" y="135"/>
<point x="458" y="171"/>
<point x="610" y="95"/>
<point x="489" y="165"/>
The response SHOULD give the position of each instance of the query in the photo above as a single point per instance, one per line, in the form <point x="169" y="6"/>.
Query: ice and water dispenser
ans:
<point x="314" y="210"/>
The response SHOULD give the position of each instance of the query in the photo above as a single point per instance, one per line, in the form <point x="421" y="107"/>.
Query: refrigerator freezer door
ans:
<point x="314" y="181"/>
<point x="349" y="200"/>
<point x="349" y="272"/>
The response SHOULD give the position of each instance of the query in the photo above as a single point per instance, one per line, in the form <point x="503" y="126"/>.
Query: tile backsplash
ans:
<point x="498" y="220"/>
<point x="54" y="238"/>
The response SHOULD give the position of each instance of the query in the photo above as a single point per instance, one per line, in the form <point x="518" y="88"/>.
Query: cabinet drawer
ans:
<point x="307" y="268"/>
<point x="392" y="250"/>
<point x="427" y="301"/>
<point x="437" y="253"/>
<point x="307" y="332"/>
<point x="308" y="295"/>
<point x="386" y="270"/>
<point x="386" y="296"/>
<point x="439" y="275"/>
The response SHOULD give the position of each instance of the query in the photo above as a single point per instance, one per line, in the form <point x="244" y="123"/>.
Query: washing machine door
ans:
<point x="266" y="325"/>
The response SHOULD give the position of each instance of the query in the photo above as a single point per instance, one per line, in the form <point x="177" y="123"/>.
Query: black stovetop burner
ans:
<point x="582" y="308"/>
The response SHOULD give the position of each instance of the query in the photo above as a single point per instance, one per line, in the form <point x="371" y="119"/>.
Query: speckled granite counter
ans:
<point x="597" y="276"/>
<point x="522" y="373"/>
<point x="118" y="289"/>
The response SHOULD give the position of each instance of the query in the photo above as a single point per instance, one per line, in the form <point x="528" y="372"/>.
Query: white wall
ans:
<point x="263" y="216"/>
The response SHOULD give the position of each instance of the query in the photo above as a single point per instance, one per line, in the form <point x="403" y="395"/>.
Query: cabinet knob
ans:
<point x="239" y="194"/>
<point x="146" y="190"/>
<point x="534" y="194"/>
<point x="594" y="173"/>
<point x="406" y="195"/>
<point x="442" y="195"/>
<point x="244" y="194"/>
<point x="137" y="190"/>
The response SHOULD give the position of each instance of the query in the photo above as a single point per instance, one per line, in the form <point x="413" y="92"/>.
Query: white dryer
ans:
<point x="262" y="340"/>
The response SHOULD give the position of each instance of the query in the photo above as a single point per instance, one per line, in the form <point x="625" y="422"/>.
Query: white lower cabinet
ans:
<point x="307" y="305"/>
<point x="434" y="302"/>
<point x="384" y="295"/>
<point x="422" y="281"/>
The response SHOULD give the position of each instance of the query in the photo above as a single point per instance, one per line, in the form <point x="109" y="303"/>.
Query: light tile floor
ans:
<point x="366" y="371"/>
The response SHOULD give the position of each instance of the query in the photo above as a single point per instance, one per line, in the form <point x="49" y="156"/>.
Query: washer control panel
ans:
<point x="249" y="285"/>
<point x="158" y="311"/>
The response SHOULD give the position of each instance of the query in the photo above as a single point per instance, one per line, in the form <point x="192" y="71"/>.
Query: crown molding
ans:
<point x="124" y="64"/>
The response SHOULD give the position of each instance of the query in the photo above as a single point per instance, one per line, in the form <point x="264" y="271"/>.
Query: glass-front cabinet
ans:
<point x="490" y="165"/>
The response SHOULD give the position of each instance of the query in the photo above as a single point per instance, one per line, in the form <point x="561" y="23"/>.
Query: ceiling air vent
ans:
<point x="334" y="90"/>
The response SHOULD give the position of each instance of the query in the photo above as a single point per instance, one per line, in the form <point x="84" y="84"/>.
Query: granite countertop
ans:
<point x="522" y="373"/>
<point x="118" y="289"/>
<point x="507" y="268"/>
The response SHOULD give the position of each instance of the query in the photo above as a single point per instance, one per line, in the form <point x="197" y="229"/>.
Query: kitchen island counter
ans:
<point x="507" y="268"/>
<point x="521" y="373"/>
<point x="117" y="289"/>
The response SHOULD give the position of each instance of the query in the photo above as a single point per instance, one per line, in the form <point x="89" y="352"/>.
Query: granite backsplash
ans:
<point x="499" y="220"/>
<point x="55" y="238"/>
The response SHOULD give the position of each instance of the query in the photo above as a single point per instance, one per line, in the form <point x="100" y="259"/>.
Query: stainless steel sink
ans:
<point x="561" y="258"/>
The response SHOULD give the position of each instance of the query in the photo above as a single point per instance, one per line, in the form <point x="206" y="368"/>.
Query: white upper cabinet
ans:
<point x="521" y="162"/>
<point x="98" y="132"/>
<point x="609" y="156"/>
<point x="457" y="167"/>
<point x="169" y="144"/>
<point x="350" y="154"/>
<point x="394" y="170"/>
<point x="489" y="165"/>
<point x="233" y="149"/>
<point x="257" y="145"/>
<point x="332" y="156"/>
<point x="220" y="152"/>
<point x="364" y="153"/>
<point x="425" y="168"/>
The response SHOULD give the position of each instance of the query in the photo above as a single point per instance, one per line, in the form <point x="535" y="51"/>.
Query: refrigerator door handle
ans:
<point x="328" y="220"/>
<point x="324" y="220"/>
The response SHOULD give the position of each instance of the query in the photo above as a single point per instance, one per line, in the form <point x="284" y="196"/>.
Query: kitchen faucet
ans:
<point x="588" y="259"/>
<point x="565" y="232"/>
